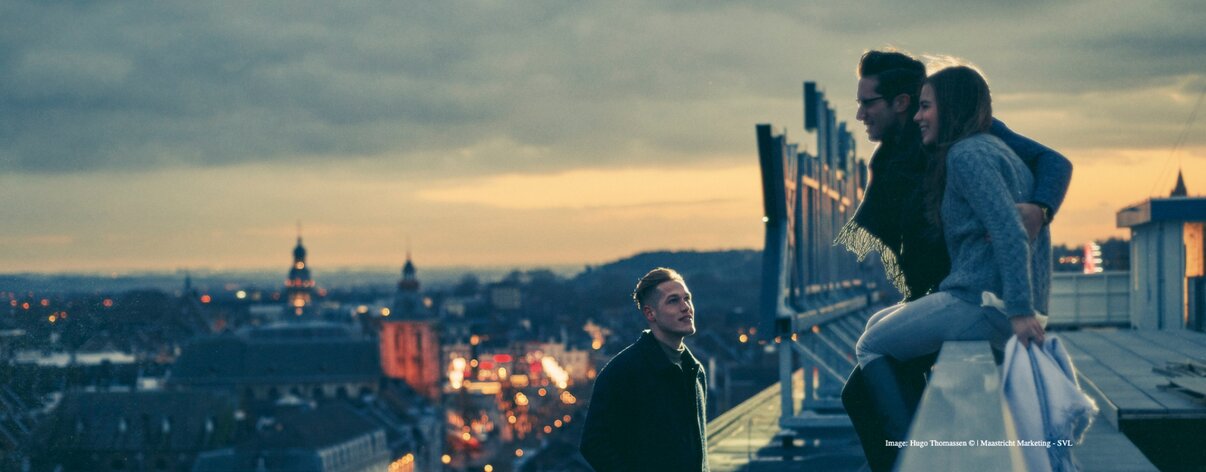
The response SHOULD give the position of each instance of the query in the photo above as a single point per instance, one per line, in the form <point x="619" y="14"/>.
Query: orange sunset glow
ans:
<point x="491" y="135"/>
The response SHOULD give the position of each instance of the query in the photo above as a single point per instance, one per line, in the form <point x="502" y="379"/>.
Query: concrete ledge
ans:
<point x="962" y="406"/>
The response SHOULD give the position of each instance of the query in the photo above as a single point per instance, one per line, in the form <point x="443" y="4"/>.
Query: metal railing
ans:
<point x="815" y="297"/>
<point x="1099" y="299"/>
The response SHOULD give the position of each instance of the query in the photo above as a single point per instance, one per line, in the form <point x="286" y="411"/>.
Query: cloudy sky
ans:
<point x="164" y="135"/>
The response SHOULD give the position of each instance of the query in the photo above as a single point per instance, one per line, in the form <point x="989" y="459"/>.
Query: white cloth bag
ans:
<point x="1047" y="403"/>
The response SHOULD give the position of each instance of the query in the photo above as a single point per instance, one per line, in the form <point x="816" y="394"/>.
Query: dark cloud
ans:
<point x="109" y="85"/>
<point x="122" y="88"/>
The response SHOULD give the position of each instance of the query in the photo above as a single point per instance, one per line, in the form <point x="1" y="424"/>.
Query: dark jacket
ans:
<point x="647" y="414"/>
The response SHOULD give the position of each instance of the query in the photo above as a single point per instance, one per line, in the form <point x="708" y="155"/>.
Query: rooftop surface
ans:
<point x="1148" y="384"/>
<point x="747" y="438"/>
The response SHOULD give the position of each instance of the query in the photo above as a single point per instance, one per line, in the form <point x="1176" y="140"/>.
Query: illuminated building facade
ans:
<point x="410" y="345"/>
<point x="299" y="287"/>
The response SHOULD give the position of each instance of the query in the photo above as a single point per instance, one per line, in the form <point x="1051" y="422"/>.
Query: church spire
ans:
<point x="407" y="301"/>
<point x="299" y="287"/>
<point x="408" y="270"/>
<point x="1179" y="190"/>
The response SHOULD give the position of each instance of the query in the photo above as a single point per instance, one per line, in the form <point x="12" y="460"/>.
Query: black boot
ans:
<point x="912" y="377"/>
<point x="867" y="420"/>
<point x="857" y="401"/>
<point x="890" y="403"/>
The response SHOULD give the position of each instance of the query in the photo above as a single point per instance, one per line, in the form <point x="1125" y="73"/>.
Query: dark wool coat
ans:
<point x="647" y="414"/>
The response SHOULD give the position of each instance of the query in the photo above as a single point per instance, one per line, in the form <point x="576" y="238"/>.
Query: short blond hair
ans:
<point x="646" y="287"/>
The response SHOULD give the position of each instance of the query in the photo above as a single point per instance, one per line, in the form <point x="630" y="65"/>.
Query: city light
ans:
<point x="598" y="334"/>
<point x="555" y="372"/>
<point x="206" y="298"/>
<point x="385" y="312"/>
<point x="521" y="399"/>
<point x="456" y="373"/>
<point x="446" y="459"/>
<point x="519" y="453"/>
<point x="405" y="464"/>
<point x="1092" y="258"/>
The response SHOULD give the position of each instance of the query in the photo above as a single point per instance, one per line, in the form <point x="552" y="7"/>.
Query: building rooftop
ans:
<point x="279" y="354"/>
<point x="292" y="439"/>
<point x="138" y="421"/>
<point x="1162" y="209"/>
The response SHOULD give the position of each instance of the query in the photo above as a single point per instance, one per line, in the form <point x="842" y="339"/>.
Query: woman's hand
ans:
<point x="1027" y="328"/>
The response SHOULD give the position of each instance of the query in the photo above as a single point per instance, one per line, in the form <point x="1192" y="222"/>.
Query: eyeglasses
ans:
<point x="866" y="102"/>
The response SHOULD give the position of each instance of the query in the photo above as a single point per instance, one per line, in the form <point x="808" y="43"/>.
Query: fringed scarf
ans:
<point x="890" y="219"/>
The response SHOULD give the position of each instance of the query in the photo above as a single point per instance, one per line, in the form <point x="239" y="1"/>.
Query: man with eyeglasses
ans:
<point x="890" y="220"/>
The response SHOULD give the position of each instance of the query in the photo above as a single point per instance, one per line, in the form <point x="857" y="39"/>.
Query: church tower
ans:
<point x="408" y="303"/>
<point x="410" y="343"/>
<point x="299" y="287"/>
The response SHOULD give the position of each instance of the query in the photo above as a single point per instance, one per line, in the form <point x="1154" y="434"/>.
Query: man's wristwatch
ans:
<point x="1046" y="212"/>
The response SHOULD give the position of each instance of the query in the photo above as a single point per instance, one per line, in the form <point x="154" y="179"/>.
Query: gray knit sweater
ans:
<point x="989" y="249"/>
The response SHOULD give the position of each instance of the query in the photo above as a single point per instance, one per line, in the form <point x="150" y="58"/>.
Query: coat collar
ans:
<point x="652" y="352"/>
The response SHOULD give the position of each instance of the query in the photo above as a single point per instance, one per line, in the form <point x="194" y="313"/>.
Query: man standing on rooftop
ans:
<point x="647" y="410"/>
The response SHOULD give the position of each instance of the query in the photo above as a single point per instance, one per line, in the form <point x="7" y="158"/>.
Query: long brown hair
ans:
<point x="964" y="108"/>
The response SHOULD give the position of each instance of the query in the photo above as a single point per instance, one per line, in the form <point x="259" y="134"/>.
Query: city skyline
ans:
<point x="488" y="134"/>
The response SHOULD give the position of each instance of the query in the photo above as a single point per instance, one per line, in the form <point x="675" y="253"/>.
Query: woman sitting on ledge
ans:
<point x="999" y="280"/>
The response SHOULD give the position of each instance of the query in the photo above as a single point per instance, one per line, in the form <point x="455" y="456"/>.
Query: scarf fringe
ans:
<point x="861" y="242"/>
